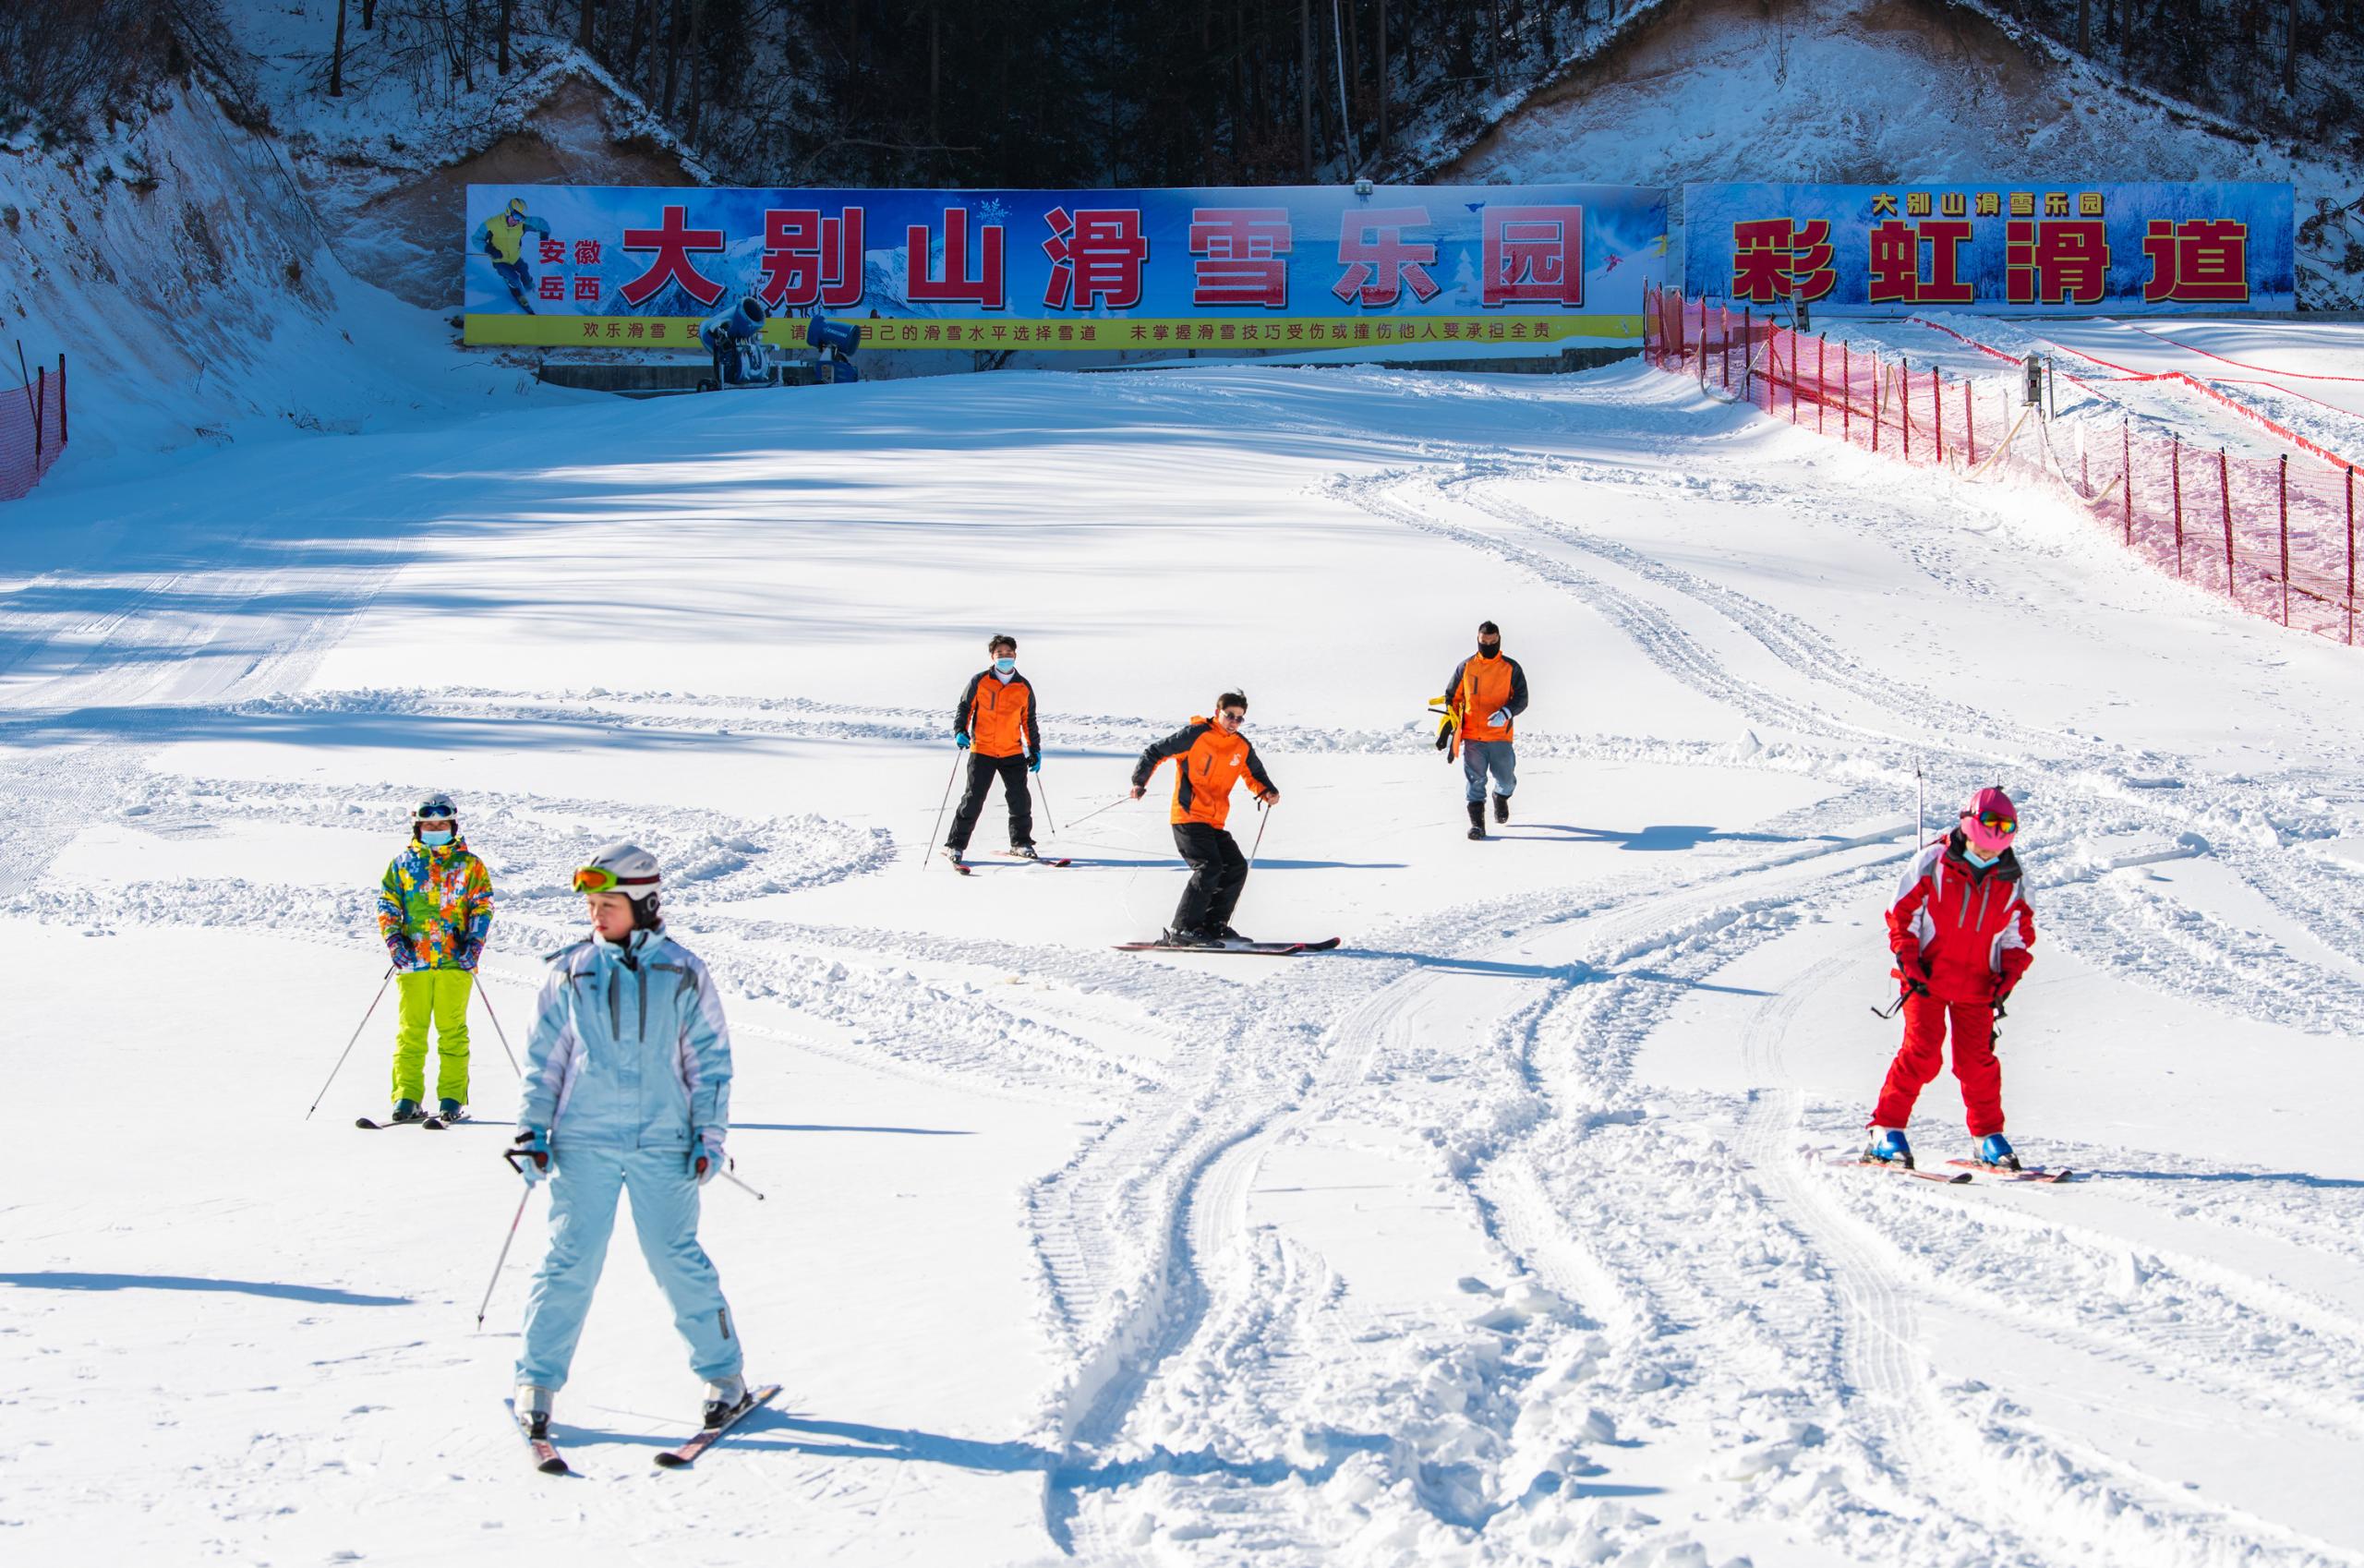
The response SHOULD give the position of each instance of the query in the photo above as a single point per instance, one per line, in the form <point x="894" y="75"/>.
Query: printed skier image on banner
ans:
<point x="1250" y="267"/>
<point x="1993" y="245"/>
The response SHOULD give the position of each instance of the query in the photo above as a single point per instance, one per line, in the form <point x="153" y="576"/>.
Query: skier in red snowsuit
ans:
<point x="1960" y="929"/>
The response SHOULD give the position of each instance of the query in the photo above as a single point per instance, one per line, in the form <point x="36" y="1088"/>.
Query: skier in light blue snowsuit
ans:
<point x="627" y="1090"/>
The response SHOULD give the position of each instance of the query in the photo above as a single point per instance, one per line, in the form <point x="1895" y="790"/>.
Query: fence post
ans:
<point x="1747" y="353"/>
<point x="2125" y="475"/>
<point x="1875" y="400"/>
<point x="2286" y="538"/>
<point x="2225" y="492"/>
<point x="61" y="401"/>
<point x="1937" y="412"/>
<point x="1904" y="402"/>
<point x="1970" y="423"/>
<point x="41" y="406"/>
<point x="2351" y="557"/>
<point x="1724" y="346"/>
<point x="1795" y="373"/>
<point x="1822" y="384"/>
<point x="1846" y="396"/>
<point x="2175" y="471"/>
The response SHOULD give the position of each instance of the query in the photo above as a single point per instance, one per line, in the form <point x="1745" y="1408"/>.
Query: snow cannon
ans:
<point x="822" y="332"/>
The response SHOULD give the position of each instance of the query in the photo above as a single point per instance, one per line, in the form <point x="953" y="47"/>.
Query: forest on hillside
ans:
<point x="1055" y="92"/>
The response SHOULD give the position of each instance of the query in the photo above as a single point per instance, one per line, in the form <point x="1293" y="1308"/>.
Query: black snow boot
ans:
<point x="1477" y="819"/>
<point x="1502" y="808"/>
<point x="407" y="1110"/>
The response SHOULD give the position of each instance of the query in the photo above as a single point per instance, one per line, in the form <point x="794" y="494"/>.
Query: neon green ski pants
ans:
<point x="441" y="995"/>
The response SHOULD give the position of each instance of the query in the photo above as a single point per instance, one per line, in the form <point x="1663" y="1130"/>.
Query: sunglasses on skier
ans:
<point x="1995" y="822"/>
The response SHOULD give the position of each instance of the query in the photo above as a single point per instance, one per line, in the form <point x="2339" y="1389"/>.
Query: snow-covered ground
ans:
<point x="1500" y="1236"/>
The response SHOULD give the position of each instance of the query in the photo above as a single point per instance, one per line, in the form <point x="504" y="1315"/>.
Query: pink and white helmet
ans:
<point x="1990" y="822"/>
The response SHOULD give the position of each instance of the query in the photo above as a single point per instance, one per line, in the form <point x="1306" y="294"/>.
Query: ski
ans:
<point x="432" y="1123"/>
<point x="1260" y="950"/>
<point x="1894" y="1169"/>
<point x="1040" y="860"/>
<point x="679" y="1458"/>
<point x="957" y="864"/>
<point x="546" y="1458"/>
<point x="2004" y="1172"/>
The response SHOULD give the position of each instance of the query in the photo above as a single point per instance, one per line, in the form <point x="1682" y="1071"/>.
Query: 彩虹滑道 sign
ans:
<point x="1993" y="245"/>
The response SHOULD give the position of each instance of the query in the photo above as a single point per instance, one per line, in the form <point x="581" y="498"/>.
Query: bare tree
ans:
<point x="336" y="56"/>
<point x="1305" y="88"/>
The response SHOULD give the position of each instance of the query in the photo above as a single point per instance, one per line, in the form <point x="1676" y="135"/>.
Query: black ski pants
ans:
<point x="1218" y="872"/>
<point x="982" y="771"/>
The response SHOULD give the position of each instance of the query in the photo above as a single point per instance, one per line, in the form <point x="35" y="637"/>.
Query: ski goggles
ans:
<point x="599" y="879"/>
<point x="1995" y="822"/>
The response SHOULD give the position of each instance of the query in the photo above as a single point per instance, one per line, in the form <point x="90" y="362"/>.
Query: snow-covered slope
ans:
<point x="200" y="302"/>
<point x="1879" y="90"/>
<point x="1498" y="1237"/>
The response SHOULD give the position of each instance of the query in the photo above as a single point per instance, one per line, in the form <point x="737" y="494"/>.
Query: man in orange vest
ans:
<point x="1210" y="756"/>
<point x="995" y="724"/>
<point x="1483" y="696"/>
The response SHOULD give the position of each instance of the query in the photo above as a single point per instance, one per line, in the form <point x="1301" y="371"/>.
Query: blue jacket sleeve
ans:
<point x="705" y="1056"/>
<point x="549" y="1054"/>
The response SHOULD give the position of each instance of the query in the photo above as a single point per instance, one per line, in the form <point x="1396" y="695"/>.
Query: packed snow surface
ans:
<point x="1509" y="1233"/>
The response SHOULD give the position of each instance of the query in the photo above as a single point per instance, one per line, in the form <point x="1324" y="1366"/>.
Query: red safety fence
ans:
<point x="2278" y="536"/>
<point x="32" y="430"/>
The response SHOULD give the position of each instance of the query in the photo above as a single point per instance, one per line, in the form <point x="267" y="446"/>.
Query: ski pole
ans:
<point x="486" y="1304"/>
<point x="1112" y="806"/>
<point x="350" y="1044"/>
<point x="728" y="1167"/>
<point x="1047" y="806"/>
<point x="939" y="811"/>
<point x="501" y="1033"/>
<point x="1260" y="837"/>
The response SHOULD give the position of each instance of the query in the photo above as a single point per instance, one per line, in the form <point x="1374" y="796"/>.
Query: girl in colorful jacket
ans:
<point x="1960" y="929"/>
<point x="434" y="909"/>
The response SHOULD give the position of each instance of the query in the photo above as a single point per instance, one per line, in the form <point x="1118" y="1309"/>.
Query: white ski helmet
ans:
<point x="436" y="807"/>
<point x="628" y="868"/>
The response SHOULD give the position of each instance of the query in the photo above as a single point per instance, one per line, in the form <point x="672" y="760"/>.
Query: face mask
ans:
<point x="1005" y="665"/>
<point x="1490" y="650"/>
<point x="1974" y="858"/>
<point x="435" y="837"/>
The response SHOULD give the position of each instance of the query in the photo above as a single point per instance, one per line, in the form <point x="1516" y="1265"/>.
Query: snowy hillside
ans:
<point x="1904" y="90"/>
<point x="1503" y="1235"/>
<point x="200" y="301"/>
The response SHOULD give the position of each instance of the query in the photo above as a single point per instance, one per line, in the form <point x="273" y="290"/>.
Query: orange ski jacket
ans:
<point x="998" y="718"/>
<point x="1479" y="688"/>
<point x="1207" y="763"/>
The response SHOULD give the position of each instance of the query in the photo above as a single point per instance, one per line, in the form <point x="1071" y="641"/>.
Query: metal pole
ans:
<point x="1904" y="402"/>
<point x="726" y="1174"/>
<point x="1112" y="806"/>
<point x="1920" y="804"/>
<point x="358" y="1028"/>
<point x="2286" y="538"/>
<point x="2174" y="470"/>
<point x="1875" y="400"/>
<point x="1046" y="804"/>
<point x="1822" y="384"/>
<point x="502" y="1034"/>
<point x="930" y="853"/>
<point x="1260" y="838"/>
<point x="486" y="1304"/>
<point x="2125" y="475"/>
<point x="1846" y="396"/>
<point x="2351" y="557"/>
<point x="2225" y="491"/>
<point x="1937" y="412"/>
<point x="1970" y="424"/>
